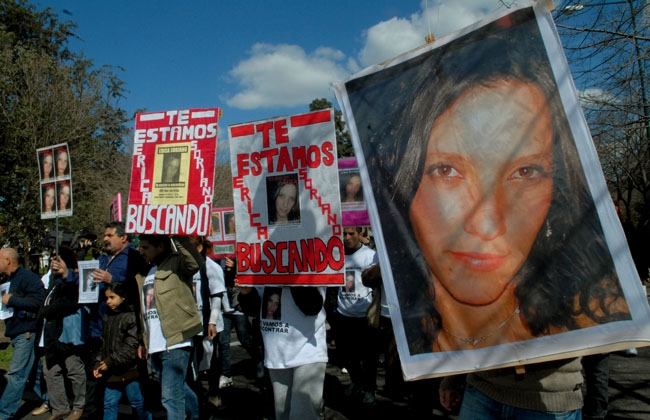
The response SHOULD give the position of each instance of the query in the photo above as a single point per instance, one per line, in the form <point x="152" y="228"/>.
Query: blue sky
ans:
<point x="255" y="59"/>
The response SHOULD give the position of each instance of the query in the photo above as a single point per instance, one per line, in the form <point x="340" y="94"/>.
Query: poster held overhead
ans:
<point x="353" y="206"/>
<point x="115" y="208"/>
<point x="287" y="203"/>
<point x="55" y="173"/>
<point x="172" y="173"/>
<point x="223" y="233"/>
<point x="497" y="238"/>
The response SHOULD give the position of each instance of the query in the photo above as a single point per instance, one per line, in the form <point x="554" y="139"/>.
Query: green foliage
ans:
<point x="343" y="139"/>
<point x="5" y="357"/>
<point x="51" y="96"/>
<point x="35" y="30"/>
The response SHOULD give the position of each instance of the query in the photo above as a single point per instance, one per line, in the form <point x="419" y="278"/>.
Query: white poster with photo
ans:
<point x="497" y="238"/>
<point x="5" y="311"/>
<point x="287" y="203"/>
<point x="55" y="174"/>
<point x="88" y="289"/>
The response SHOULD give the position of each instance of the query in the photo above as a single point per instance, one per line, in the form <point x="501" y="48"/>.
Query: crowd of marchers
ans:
<point x="166" y="310"/>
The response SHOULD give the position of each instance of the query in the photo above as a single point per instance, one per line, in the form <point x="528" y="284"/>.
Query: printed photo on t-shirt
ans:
<point x="272" y="303"/>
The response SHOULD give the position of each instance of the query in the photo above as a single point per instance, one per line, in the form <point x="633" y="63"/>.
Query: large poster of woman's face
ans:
<point x="489" y="223"/>
<point x="283" y="201"/>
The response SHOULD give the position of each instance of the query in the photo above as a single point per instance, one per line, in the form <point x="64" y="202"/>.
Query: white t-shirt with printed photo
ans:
<point x="291" y="338"/>
<point x="354" y="298"/>
<point x="157" y="341"/>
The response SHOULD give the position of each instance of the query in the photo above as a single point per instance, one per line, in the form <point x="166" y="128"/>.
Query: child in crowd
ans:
<point x="119" y="354"/>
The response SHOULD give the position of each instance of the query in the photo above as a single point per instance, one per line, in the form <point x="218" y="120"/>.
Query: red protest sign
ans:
<point x="172" y="172"/>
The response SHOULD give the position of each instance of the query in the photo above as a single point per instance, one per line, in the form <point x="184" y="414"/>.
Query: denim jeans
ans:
<point x="477" y="405"/>
<point x="40" y="388"/>
<point x="243" y="329"/>
<point x="133" y="392"/>
<point x="171" y="368"/>
<point x="17" y="375"/>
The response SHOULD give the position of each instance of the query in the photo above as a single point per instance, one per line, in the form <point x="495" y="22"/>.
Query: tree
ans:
<point x="343" y="140"/>
<point x="222" y="177"/>
<point x="606" y="44"/>
<point x="51" y="96"/>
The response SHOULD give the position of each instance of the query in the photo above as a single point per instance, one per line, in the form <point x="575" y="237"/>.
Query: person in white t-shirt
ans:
<point x="295" y="347"/>
<point x="356" y="341"/>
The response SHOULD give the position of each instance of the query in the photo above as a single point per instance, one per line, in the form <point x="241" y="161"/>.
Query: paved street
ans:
<point x="629" y="387"/>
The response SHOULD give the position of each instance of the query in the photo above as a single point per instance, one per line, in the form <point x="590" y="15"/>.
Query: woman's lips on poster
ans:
<point x="479" y="261"/>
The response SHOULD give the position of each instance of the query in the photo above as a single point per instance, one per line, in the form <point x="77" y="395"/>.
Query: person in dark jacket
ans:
<point x="118" y="363"/>
<point x="65" y="328"/>
<point x="25" y="295"/>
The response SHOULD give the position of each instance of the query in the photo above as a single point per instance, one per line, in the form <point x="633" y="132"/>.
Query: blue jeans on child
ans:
<point x="113" y="393"/>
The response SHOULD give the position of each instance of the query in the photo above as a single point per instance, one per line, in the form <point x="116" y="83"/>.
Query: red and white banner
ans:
<point x="287" y="201"/>
<point x="172" y="174"/>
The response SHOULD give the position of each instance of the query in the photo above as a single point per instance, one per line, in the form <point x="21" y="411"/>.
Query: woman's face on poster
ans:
<point x="47" y="165"/>
<point x="61" y="163"/>
<point x="285" y="201"/>
<point x="172" y="170"/>
<point x="231" y="224"/>
<point x="485" y="189"/>
<point x="48" y="199"/>
<point x="64" y="197"/>
<point x="272" y="304"/>
<point x="353" y="187"/>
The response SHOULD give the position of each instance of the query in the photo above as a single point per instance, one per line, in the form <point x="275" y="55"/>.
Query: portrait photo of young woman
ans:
<point x="283" y="202"/>
<point x="494" y="235"/>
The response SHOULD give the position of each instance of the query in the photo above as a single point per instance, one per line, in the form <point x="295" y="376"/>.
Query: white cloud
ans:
<point x="396" y="36"/>
<point x="286" y="76"/>
<point x="388" y="39"/>
<point x="592" y="96"/>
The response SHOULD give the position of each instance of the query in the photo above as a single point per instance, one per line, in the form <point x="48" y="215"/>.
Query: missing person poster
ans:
<point x="498" y="241"/>
<point x="353" y="206"/>
<point x="55" y="181"/>
<point x="223" y="233"/>
<point x="287" y="202"/>
<point x="5" y="311"/>
<point x="172" y="174"/>
<point x="88" y="288"/>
